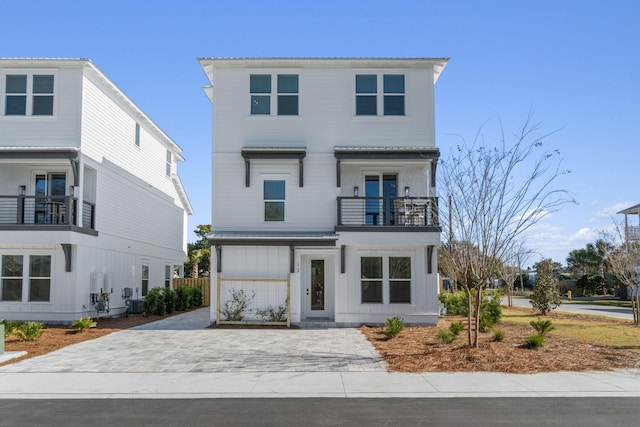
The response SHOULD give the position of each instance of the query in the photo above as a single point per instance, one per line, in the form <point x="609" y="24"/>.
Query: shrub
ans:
<point x="456" y="328"/>
<point x="542" y="326"/>
<point x="498" y="336"/>
<point x="183" y="298"/>
<point x="10" y="326"/>
<point x="534" y="341"/>
<point x="455" y="303"/>
<point x="446" y="337"/>
<point x="546" y="296"/>
<point x="272" y="314"/>
<point x="195" y="294"/>
<point x="393" y="327"/>
<point x="154" y="302"/>
<point x="234" y="308"/>
<point x="29" y="331"/>
<point x="490" y="312"/>
<point x="169" y="296"/>
<point x="80" y="325"/>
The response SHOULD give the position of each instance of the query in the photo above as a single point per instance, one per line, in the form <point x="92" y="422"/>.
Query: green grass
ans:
<point x="601" y="302"/>
<point x="620" y="334"/>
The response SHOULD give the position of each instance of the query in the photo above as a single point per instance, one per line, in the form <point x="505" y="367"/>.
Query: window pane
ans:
<point x="394" y="105"/>
<point x="287" y="83"/>
<point x="366" y="83"/>
<point x="40" y="266"/>
<point x="260" y="83"/>
<point x="288" y="105"/>
<point x="260" y="104"/>
<point x="39" y="290"/>
<point x="372" y="291"/>
<point x="11" y="265"/>
<point x="12" y="289"/>
<point x="400" y="291"/>
<point x="371" y="267"/>
<point x="42" y="105"/>
<point x="43" y="84"/>
<point x="366" y="106"/>
<point x="274" y="211"/>
<point x="16" y="105"/>
<point x="274" y="190"/>
<point x="393" y="83"/>
<point x="399" y="267"/>
<point x="16" y="84"/>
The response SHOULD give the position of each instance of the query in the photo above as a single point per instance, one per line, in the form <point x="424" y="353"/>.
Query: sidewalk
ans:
<point x="178" y="358"/>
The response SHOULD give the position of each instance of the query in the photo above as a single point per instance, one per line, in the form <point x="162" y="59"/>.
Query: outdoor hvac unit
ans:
<point x="135" y="306"/>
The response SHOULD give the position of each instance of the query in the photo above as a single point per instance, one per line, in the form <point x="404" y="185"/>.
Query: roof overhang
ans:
<point x="632" y="210"/>
<point x="69" y="153"/>
<point x="232" y="238"/>
<point x="386" y="153"/>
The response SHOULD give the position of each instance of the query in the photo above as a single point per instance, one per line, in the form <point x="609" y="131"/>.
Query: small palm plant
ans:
<point x="542" y="327"/>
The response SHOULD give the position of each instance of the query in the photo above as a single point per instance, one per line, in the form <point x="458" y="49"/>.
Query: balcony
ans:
<point x="51" y="212"/>
<point x="388" y="214"/>
<point x="632" y="233"/>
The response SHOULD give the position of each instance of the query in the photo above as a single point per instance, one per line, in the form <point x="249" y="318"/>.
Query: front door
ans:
<point x="376" y="185"/>
<point x="317" y="288"/>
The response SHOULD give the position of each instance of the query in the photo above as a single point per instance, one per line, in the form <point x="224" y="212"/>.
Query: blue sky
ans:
<point x="574" y="63"/>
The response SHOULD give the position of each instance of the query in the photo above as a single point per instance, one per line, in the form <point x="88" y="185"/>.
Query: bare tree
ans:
<point x="509" y="269"/>
<point x="498" y="193"/>
<point x="623" y="260"/>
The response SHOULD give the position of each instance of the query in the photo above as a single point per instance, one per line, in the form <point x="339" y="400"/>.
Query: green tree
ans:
<point x="198" y="253"/>
<point x="546" y="295"/>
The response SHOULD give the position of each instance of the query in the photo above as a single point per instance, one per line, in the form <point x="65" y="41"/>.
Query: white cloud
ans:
<point x="612" y="211"/>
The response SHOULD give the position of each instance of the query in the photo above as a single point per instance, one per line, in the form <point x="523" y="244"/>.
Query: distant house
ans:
<point x="90" y="201"/>
<point x="324" y="172"/>
<point x="631" y="223"/>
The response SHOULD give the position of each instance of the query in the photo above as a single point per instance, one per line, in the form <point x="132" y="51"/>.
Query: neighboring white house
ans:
<point x="90" y="199"/>
<point x="324" y="174"/>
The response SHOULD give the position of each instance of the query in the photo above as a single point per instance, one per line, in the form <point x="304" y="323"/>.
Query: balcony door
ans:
<point x="50" y="191"/>
<point x="377" y="185"/>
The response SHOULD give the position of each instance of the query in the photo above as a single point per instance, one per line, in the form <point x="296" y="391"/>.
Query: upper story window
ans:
<point x="274" y="198"/>
<point x="169" y="161"/>
<point x="137" y="135"/>
<point x="29" y="95"/>
<point x="393" y="95"/>
<point x="287" y="94"/>
<point x="260" y="88"/>
<point x="367" y="94"/>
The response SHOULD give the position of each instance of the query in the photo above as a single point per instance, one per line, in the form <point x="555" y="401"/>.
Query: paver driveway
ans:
<point x="183" y="344"/>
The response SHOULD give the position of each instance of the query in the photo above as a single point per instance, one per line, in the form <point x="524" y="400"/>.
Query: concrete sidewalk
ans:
<point x="178" y="357"/>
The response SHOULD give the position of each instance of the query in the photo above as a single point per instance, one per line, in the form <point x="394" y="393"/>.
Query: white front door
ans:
<point x="317" y="288"/>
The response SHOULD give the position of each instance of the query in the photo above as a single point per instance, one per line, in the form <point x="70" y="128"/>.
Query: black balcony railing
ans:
<point x="49" y="210"/>
<point x="387" y="212"/>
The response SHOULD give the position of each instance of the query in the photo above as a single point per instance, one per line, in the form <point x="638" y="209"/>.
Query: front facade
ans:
<point x="324" y="176"/>
<point x="92" y="211"/>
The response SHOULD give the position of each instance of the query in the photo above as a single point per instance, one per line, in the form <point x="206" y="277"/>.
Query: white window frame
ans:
<point x="29" y="92"/>
<point x="386" y="280"/>
<point x="168" y="275"/>
<point x="26" y="275"/>
<point x="285" y="178"/>
<point x="275" y="93"/>
<point x="380" y="93"/>
<point x="168" y="164"/>
<point x="143" y="264"/>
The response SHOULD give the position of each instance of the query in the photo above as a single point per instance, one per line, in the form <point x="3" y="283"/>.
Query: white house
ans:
<point x="90" y="201"/>
<point x="324" y="175"/>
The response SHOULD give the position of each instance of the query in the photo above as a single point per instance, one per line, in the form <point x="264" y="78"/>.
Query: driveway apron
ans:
<point x="183" y="343"/>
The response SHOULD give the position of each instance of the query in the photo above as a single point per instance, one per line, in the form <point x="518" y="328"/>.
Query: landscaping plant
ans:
<point x="498" y="336"/>
<point x="272" y="314"/>
<point x="29" y="331"/>
<point x="446" y="337"/>
<point x="534" y="341"/>
<point x="233" y="309"/>
<point x="456" y="328"/>
<point x="10" y="326"/>
<point x="82" y="324"/>
<point x="542" y="326"/>
<point x="393" y="326"/>
<point x="154" y="302"/>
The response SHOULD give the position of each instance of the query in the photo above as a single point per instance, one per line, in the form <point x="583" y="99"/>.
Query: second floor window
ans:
<point x="287" y="94"/>
<point x="366" y="95"/>
<point x="24" y="95"/>
<point x="169" y="161"/>
<point x="393" y="95"/>
<point x="274" y="198"/>
<point x="392" y="102"/>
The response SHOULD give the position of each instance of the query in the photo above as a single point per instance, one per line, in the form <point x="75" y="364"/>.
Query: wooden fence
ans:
<point x="203" y="283"/>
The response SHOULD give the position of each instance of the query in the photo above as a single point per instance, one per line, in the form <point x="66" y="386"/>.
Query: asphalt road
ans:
<point x="619" y="412"/>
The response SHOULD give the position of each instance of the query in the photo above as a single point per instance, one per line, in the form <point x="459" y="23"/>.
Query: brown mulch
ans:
<point x="417" y="349"/>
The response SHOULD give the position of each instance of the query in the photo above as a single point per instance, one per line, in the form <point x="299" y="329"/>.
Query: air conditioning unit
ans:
<point x="136" y="306"/>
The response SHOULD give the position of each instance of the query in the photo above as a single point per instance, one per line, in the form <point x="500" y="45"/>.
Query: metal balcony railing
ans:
<point x="49" y="210"/>
<point x="405" y="212"/>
